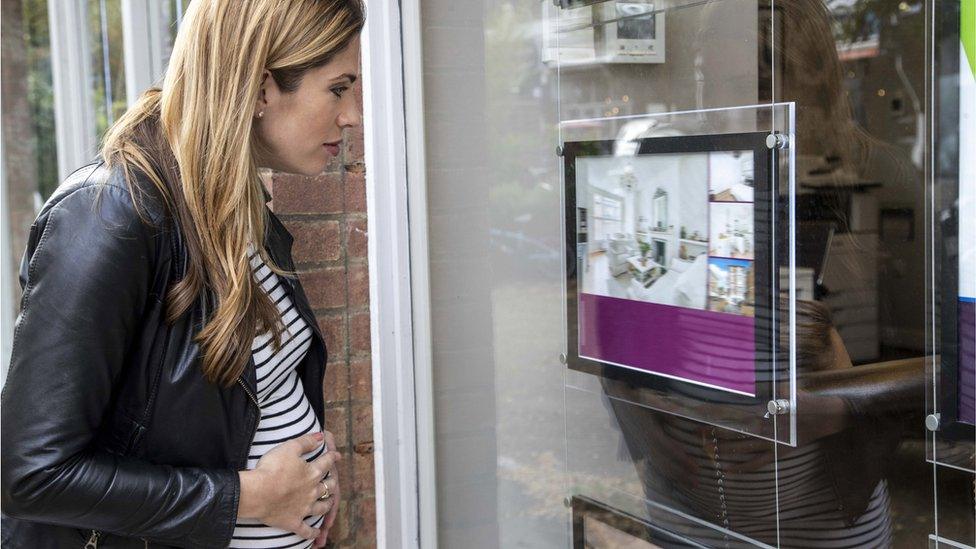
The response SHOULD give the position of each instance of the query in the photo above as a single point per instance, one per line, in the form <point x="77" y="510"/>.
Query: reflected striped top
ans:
<point x="285" y="410"/>
<point x="789" y="503"/>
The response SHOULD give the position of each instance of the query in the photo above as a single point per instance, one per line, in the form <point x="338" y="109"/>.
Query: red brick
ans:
<point x="363" y="448"/>
<point x="294" y="193"/>
<point x="335" y="423"/>
<point x="358" y="278"/>
<point x="362" y="423"/>
<point x="359" y="332"/>
<point x="355" y="191"/>
<point x="344" y="468"/>
<point x="364" y="517"/>
<point x="340" y="529"/>
<point x="336" y="383"/>
<point x="317" y="240"/>
<point x="333" y="329"/>
<point x="363" y="478"/>
<point x="354" y="144"/>
<point x="325" y="288"/>
<point x="356" y="238"/>
<point x="357" y="90"/>
<point x="361" y="380"/>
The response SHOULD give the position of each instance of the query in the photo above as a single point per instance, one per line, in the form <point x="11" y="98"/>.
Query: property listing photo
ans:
<point x="673" y="229"/>
<point x="731" y="234"/>
<point x="731" y="286"/>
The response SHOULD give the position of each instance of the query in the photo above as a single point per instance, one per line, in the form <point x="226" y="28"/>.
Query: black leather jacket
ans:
<point x="109" y="429"/>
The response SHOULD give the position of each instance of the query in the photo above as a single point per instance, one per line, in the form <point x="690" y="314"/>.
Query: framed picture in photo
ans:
<point x="674" y="284"/>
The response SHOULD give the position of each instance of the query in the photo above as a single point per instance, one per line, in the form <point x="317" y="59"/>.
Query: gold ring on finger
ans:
<point x="326" y="495"/>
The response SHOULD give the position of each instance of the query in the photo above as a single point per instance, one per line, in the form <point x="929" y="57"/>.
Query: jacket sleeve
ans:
<point x="87" y="273"/>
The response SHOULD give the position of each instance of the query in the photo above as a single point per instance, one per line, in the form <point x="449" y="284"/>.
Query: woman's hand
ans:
<point x="323" y="536"/>
<point x="283" y="488"/>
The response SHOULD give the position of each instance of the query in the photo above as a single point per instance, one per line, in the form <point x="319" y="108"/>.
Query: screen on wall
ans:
<point x="672" y="277"/>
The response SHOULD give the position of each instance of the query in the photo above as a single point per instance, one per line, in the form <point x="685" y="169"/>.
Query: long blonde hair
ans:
<point x="194" y="139"/>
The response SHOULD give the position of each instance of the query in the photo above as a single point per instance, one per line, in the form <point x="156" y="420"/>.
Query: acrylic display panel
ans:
<point x="676" y="241"/>
<point x="951" y="284"/>
<point x="598" y="526"/>
<point x="952" y="367"/>
<point x="686" y="296"/>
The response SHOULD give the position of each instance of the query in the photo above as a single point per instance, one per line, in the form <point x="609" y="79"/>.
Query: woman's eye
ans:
<point x="338" y="91"/>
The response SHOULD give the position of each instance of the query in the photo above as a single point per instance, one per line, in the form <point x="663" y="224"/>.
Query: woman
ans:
<point x="817" y="494"/>
<point x="165" y="385"/>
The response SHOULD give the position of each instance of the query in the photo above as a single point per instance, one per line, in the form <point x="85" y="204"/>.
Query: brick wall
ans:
<point x="326" y="214"/>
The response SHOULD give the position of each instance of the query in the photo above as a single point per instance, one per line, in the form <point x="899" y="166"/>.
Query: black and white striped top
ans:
<point x="285" y="410"/>
<point x="798" y="486"/>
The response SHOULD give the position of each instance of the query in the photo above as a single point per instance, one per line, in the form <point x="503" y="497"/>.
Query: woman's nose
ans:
<point x="351" y="118"/>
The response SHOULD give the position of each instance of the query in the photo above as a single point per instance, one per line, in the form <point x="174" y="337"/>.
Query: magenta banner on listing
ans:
<point x="967" y="360"/>
<point x="711" y="348"/>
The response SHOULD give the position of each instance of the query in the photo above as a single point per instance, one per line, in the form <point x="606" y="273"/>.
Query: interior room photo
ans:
<point x="649" y="218"/>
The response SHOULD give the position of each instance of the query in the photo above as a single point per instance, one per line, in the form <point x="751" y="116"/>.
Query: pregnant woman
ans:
<point x="165" y="384"/>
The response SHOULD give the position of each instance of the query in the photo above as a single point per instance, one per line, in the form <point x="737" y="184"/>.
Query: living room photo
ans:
<point x="648" y="220"/>
<point x="656" y="224"/>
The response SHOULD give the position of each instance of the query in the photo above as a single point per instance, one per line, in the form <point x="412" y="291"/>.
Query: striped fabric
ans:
<point x="285" y="410"/>
<point x="746" y="502"/>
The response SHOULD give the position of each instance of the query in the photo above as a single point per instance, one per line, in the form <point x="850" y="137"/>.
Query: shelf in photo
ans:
<point x="750" y="259"/>
<point x="695" y="242"/>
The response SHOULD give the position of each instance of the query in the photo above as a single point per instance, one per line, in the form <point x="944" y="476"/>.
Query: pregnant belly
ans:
<point x="285" y="414"/>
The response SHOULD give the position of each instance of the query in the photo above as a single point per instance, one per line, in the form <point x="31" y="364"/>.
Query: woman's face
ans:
<point x="300" y="132"/>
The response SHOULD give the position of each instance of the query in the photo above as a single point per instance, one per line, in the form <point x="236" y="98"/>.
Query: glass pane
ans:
<point x="29" y="148"/>
<point x="37" y="140"/>
<point x="509" y="86"/>
<point x="682" y="300"/>
<point x="108" y="65"/>
<point x="952" y="283"/>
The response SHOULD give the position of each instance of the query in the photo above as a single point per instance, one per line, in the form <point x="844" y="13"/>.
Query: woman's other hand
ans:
<point x="283" y="488"/>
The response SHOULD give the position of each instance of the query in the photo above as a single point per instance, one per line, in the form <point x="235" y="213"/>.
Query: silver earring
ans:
<point x="260" y="114"/>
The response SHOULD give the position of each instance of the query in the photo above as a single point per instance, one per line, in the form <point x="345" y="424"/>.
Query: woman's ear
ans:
<point x="264" y="93"/>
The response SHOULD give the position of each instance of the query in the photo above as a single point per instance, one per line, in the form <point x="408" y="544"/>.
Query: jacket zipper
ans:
<point x="248" y="391"/>
<point x="93" y="540"/>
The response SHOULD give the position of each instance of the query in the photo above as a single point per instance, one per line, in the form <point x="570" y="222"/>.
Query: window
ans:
<point x="607" y="216"/>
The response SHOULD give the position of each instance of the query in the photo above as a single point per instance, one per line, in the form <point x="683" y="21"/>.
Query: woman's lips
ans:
<point x="333" y="148"/>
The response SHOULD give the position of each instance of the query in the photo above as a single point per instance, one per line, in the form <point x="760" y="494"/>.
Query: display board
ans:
<point x="967" y="216"/>
<point x="600" y="526"/>
<point x="672" y="280"/>
<point x="955" y="180"/>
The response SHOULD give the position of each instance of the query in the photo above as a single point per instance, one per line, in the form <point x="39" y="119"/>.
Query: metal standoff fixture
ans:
<point x="777" y="407"/>
<point x="777" y="141"/>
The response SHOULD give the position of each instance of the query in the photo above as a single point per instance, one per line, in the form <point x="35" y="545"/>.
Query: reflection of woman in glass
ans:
<point x="818" y="494"/>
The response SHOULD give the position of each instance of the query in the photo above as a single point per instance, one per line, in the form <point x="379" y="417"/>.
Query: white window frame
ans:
<point x="74" y="111"/>
<point x="145" y="35"/>
<point x="399" y="323"/>
<point x="145" y="52"/>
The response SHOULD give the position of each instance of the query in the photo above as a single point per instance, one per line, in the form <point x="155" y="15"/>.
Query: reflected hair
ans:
<point x="814" y="346"/>
<point x="194" y="139"/>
